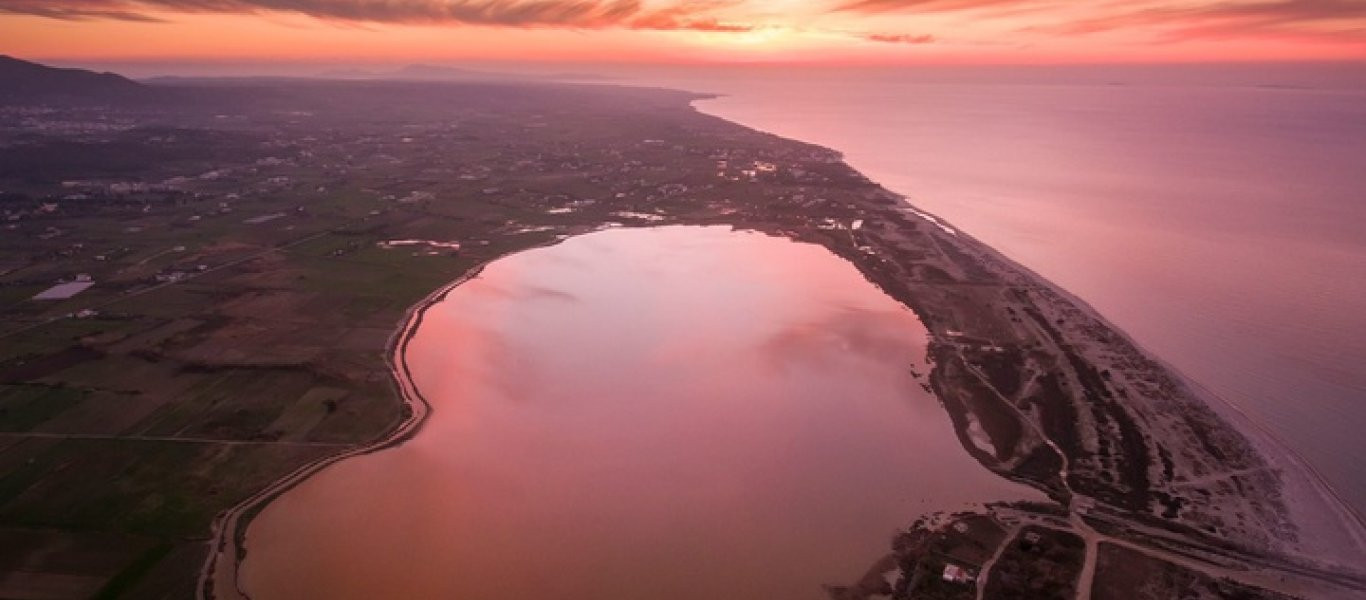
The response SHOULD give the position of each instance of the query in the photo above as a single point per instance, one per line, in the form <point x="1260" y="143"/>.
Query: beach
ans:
<point x="1210" y="213"/>
<point x="1069" y="404"/>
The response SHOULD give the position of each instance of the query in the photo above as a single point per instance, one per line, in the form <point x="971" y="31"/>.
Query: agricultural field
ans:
<point x="249" y="260"/>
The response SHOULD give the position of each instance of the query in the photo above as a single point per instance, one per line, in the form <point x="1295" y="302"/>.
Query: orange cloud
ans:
<point x="1302" y="18"/>
<point x="1170" y="19"/>
<point x="584" y="14"/>
<point x="691" y="30"/>
<point x="874" y="6"/>
<point x="899" y="38"/>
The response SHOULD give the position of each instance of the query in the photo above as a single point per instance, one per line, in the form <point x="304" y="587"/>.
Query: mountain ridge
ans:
<point x="23" y="81"/>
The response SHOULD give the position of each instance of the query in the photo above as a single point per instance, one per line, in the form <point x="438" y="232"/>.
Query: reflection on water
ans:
<point x="669" y="413"/>
<point x="1218" y="222"/>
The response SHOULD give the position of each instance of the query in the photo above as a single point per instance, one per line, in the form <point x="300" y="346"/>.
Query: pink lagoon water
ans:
<point x="665" y="413"/>
<point x="1216" y="214"/>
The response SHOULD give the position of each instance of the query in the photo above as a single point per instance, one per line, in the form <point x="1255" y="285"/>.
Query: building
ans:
<point x="956" y="574"/>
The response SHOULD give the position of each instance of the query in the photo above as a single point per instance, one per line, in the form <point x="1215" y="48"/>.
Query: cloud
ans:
<point x="899" y="38"/>
<point x="924" y="6"/>
<point x="686" y="15"/>
<point x="1171" y="19"/>
<point x="78" y="11"/>
<point x="584" y="14"/>
<point x="1159" y="20"/>
<point x="1297" y="18"/>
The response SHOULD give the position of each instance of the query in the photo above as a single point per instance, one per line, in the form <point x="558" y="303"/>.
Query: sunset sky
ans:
<point x="672" y="31"/>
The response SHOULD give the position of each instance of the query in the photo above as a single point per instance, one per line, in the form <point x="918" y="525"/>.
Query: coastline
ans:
<point x="1023" y="203"/>
<point x="1270" y="446"/>
<point x="219" y="576"/>
<point x="1306" y="489"/>
<point x="227" y="545"/>
<point x="1316" y="492"/>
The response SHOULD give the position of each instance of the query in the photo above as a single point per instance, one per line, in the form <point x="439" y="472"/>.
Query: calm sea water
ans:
<point x="1216" y="214"/>
<point x="671" y="413"/>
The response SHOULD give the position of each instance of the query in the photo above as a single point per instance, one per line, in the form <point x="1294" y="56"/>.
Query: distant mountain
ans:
<point x="23" y="82"/>
<point x="421" y="73"/>
<point x="580" y="77"/>
<point x="433" y="72"/>
<point x="350" y="74"/>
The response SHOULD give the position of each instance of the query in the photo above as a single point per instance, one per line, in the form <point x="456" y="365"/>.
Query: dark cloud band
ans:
<point x="1181" y="20"/>
<point x="899" y="38"/>
<point x="586" y="14"/>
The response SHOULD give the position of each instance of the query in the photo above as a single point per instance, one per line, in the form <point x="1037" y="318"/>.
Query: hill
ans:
<point x="24" y="82"/>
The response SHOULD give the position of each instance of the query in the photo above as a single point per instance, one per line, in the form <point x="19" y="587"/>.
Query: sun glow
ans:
<point x="708" y="31"/>
<point x="760" y="43"/>
<point x="763" y="36"/>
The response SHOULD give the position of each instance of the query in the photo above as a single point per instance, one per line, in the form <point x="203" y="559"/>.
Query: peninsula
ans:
<point x="259" y="251"/>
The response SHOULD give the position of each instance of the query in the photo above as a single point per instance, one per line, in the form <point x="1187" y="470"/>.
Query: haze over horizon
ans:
<point x="683" y="299"/>
<point x="684" y="31"/>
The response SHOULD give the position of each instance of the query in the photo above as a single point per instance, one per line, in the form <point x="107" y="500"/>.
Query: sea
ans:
<point x="1215" y="213"/>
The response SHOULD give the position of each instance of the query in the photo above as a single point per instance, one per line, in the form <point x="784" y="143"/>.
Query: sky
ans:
<point x="685" y="31"/>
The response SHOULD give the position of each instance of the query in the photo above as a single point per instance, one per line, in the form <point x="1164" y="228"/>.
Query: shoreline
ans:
<point x="1251" y="425"/>
<point x="219" y="576"/>
<point x="1271" y="445"/>
<point x="229" y="530"/>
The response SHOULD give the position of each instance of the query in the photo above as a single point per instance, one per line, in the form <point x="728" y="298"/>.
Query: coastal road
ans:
<point x="153" y="438"/>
